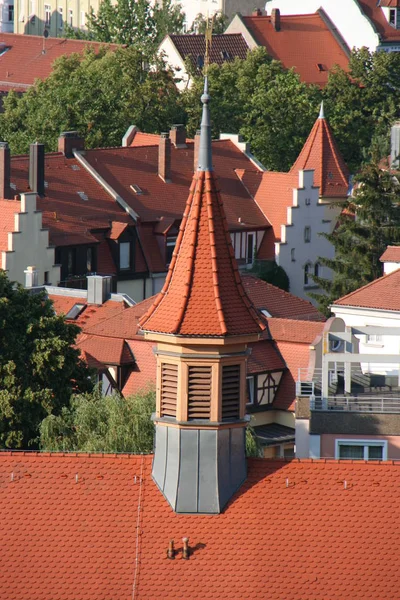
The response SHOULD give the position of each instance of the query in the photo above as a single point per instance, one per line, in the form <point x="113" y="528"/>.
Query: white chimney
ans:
<point x="31" y="277"/>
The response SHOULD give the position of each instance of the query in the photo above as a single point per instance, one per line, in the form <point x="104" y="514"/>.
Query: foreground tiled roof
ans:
<point x="203" y="294"/>
<point x="295" y="330"/>
<point x="92" y="313"/>
<point x="391" y="254"/>
<point x="278" y="302"/>
<point x="373" y="11"/>
<point x="303" y="42"/>
<point x="224" y="47"/>
<point x="8" y="210"/>
<point x="321" y="153"/>
<point x="96" y="528"/>
<point x="25" y="60"/>
<point x="383" y="294"/>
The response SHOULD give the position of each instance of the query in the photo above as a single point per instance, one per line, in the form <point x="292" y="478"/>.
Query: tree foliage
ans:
<point x="132" y="22"/>
<point x="219" y="23"/>
<point x="269" y="271"/>
<point x="97" y="94"/>
<point x="39" y="368"/>
<point x="369" y="223"/>
<point x="96" y="423"/>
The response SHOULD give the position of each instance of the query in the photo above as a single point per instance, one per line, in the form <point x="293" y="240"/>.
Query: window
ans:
<point x="308" y="201"/>
<point x="250" y="389"/>
<point x="374" y="339"/>
<point x="71" y="262"/>
<point x="46" y="278"/>
<point x="70" y="17"/>
<point x="124" y="255"/>
<point x="11" y="12"/>
<point x="89" y="258"/>
<point x="307" y="270"/>
<point x="250" y="249"/>
<point x="361" y="450"/>
<point x="307" y="234"/>
<point x="292" y="255"/>
<point x="392" y="16"/>
<point x="316" y="270"/>
<point x="83" y="19"/>
<point x="171" y="241"/>
<point x="60" y="18"/>
<point x="47" y="15"/>
<point x="75" y="311"/>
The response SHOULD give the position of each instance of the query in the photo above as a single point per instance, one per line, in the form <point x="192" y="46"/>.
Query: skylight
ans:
<point x="83" y="195"/>
<point x="136" y="189"/>
<point x="4" y="49"/>
<point x="75" y="311"/>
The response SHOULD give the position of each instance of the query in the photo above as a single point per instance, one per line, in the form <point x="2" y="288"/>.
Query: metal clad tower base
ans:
<point x="199" y="470"/>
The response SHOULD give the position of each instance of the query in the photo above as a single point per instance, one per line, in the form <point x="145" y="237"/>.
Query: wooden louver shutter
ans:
<point x="230" y="392"/>
<point x="199" y="392"/>
<point x="169" y="389"/>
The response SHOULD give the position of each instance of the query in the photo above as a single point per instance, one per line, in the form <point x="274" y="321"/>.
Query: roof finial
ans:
<point x="321" y="111"/>
<point x="205" y="159"/>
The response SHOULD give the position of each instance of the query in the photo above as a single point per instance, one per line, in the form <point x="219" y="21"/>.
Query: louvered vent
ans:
<point x="169" y="389"/>
<point x="230" y="392"/>
<point x="199" y="392"/>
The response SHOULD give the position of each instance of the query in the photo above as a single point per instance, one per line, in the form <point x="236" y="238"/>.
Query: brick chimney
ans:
<point x="257" y="12"/>
<point x="36" y="168"/>
<point x="164" y="158"/>
<point x="5" y="190"/>
<point x="196" y="150"/>
<point x="276" y="19"/>
<point x="69" y="141"/>
<point x="178" y="136"/>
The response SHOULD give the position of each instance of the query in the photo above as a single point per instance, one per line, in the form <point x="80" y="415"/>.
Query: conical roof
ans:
<point x="321" y="153"/>
<point x="203" y="293"/>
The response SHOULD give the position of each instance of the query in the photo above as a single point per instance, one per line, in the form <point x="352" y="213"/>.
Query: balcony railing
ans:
<point x="372" y="404"/>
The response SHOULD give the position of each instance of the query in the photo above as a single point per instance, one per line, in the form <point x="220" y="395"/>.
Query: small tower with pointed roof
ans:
<point x="202" y="321"/>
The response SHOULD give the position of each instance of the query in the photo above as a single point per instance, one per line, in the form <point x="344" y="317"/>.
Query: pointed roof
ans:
<point x="203" y="293"/>
<point x="321" y="153"/>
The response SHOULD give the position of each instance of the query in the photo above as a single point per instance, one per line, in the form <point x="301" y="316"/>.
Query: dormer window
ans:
<point x="124" y="255"/>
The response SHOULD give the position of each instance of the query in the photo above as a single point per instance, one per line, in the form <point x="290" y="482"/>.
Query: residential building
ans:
<point x="309" y="43"/>
<point x="7" y="16"/>
<point x="35" y="18"/>
<point x="371" y="23"/>
<point x="208" y="8"/>
<point x="177" y="49"/>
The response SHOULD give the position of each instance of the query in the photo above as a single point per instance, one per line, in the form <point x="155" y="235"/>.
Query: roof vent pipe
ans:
<point x="171" y="550"/>
<point x="36" y="168"/>
<point x="185" y="550"/>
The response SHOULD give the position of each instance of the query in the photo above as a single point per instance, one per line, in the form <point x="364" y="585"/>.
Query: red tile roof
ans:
<point x="203" y="294"/>
<point x="143" y="375"/>
<point x="291" y="330"/>
<point x="105" y="350"/>
<point x="264" y="357"/>
<point x="8" y="210"/>
<point x="321" y="153"/>
<point x="92" y="314"/>
<point x="25" y="61"/>
<point x="224" y="47"/>
<point x="373" y="11"/>
<point x="391" y="254"/>
<point x="278" y="302"/>
<point x="383" y="294"/>
<point x="123" y="325"/>
<point x="96" y="527"/>
<point x="303" y="42"/>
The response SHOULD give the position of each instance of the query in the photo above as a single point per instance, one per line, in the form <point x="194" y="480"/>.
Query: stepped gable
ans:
<point x="203" y="294"/>
<point x="321" y="154"/>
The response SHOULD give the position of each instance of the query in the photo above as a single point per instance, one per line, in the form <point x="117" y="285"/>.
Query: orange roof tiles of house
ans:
<point x="92" y="313"/>
<point x="138" y="164"/>
<point x="224" y="47"/>
<point x="143" y="375"/>
<point x="304" y="42"/>
<point x="69" y="216"/>
<point x="278" y="302"/>
<point x="96" y="527"/>
<point x="264" y="356"/>
<point x="391" y="254"/>
<point x="321" y="154"/>
<point x="203" y="294"/>
<point x="24" y="60"/>
<point x="383" y="294"/>
<point x="105" y="350"/>
<point x="292" y="330"/>
<point x="372" y="9"/>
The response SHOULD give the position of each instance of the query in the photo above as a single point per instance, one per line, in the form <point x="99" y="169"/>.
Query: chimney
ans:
<point x="395" y="145"/>
<point x="69" y="141"/>
<point x="5" y="190"/>
<point x="164" y="158"/>
<point x="98" y="288"/>
<point x="178" y="136"/>
<point x="31" y="277"/>
<point x="276" y="19"/>
<point x="196" y="150"/>
<point x="36" y="168"/>
<point x="185" y="550"/>
<point x="257" y="12"/>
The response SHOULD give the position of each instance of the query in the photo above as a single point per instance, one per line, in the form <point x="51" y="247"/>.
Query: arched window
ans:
<point x="316" y="270"/>
<point x="307" y="271"/>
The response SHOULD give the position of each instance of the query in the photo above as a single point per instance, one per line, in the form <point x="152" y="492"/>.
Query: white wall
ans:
<point x="168" y="51"/>
<point x="306" y="211"/>
<point x="389" y="267"/>
<point x="192" y="8"/>
<point x="346" y="15"/>
<point x="6" y="26"/>
<point x="29" y="245"/>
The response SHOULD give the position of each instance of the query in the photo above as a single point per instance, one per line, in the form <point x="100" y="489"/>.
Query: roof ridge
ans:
<point x="367" y="285"/>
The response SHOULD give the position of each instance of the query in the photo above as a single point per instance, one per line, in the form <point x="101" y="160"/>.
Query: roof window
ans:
<point x="200" y="61"/>
<point x="226" y="55"/>
<point x="321" y="67"/>
<point x="83" y="195"/>
<point x="75" y="167"/>
<point x="136" y="189"/>
<point x="75" y="311"/>
<point x="4" y="49"/>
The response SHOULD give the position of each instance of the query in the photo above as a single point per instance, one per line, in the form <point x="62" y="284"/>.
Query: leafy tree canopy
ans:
<point x="269" y="271"/>
<point x="97" y="94"/>
<point x="39" y="368"/>
<point x="139" y="22"/>
<point x="219" y="23"/>
<point x="96" y="423"/>
<point x="369" y="223"/>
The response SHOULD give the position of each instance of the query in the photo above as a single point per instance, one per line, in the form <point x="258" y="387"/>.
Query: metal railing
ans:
<point x="370" y="404"/>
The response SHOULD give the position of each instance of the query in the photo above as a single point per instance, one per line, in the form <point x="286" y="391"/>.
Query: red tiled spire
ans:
<point x="321" y="153"/>
<point x="203" y="294"/>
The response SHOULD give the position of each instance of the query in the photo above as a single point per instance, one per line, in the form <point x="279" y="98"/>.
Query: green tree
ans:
<point x="131" y="22"/>
<point x="96" y="423"/>
<point x="369" y="222"/>
<point x="39" y="368"/>
<point x="269" y="271"/>
<point x="97" y="94"/>
<point x="219" y="23"/>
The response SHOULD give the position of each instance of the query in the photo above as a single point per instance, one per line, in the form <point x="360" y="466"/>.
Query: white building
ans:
<point x="6" y="16"/>
<point x="192" y="8"/>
